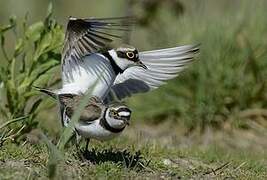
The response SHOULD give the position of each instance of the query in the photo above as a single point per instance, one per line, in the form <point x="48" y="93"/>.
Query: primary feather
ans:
<point x="87" y="36"/>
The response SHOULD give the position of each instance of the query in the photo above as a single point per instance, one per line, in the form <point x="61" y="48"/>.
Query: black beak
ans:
<point x="139" y="63"/>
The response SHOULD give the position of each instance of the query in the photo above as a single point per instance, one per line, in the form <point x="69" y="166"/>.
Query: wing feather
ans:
<point x="86" y="36"/>
<point x="162" y="65"/>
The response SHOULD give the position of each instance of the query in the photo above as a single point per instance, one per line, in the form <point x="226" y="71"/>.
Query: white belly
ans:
<point x="95" y="131"/>
<point x="93" y="73"/>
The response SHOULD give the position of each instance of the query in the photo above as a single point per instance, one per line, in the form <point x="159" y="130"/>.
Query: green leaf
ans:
<point x="44" y="68"/>
<point x="34" y="31"/>
<point x="49" y="9"/>
<point x="3" y="74"/>
<point x="38" y="72"/>
<point x="55" y="156"/>
<point x="2" y="39"/>
<point x="13" y="72"/>
<point x="12" y="121"/>
<point x="36" y="52"/>
<point x="13" y="20"/>
<point x="29" y="94"/>
<point x="47" y="78"/>
<point x="5" y="28"/>
<point x="24" y="22"/>
<point x="18" y="47"/>
<point x="43" y="45"/>
<point x="11" y="96"/>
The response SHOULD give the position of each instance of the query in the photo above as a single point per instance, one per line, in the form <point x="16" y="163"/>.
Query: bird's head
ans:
<point x="118" y="115"/>
<point x="126" y="56"/>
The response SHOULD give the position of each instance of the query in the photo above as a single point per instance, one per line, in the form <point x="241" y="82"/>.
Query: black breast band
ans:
<point x="104" y="124"/>
<point x="115" y="67"/>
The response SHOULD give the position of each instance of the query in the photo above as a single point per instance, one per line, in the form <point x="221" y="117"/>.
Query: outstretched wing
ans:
<point x="86" y="36"/>
<point x="162" y="65"/>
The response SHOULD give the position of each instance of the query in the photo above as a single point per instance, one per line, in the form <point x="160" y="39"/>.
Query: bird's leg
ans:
<point x="84" y="155"/>
<point x="77" y="144"/>
<point x="81" y="154"/>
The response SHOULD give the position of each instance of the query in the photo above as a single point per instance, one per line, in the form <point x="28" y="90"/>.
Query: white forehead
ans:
<point x="118" y="107"/>
<point x="126" y="48"/>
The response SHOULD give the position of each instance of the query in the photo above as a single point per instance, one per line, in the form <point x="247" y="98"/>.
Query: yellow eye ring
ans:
<point x="130" y="55"/>
<point x="114" y="113"/>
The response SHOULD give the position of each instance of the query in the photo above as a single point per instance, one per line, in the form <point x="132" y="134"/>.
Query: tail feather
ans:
<point x="46" y="91"/>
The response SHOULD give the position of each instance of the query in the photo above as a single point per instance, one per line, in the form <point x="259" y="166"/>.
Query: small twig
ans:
<point x="217" y="169"/>
<point x="9" y="133"/>
<point x="147" y="168"/>
<point x="238" y="167"/>
<point x="12" y="136"/>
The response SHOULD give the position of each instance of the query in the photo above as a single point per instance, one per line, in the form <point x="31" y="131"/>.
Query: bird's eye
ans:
<point x="114" y="113"/>
<point x="130" y="55"/>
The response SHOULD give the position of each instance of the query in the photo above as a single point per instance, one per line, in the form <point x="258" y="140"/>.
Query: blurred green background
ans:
<point x="225" y="86"/>
<point x="208" y="123"/>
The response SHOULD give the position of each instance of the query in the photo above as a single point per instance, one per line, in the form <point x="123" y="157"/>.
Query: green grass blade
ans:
<point x="67" y="133"/>
<point x="12" y="121"/>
